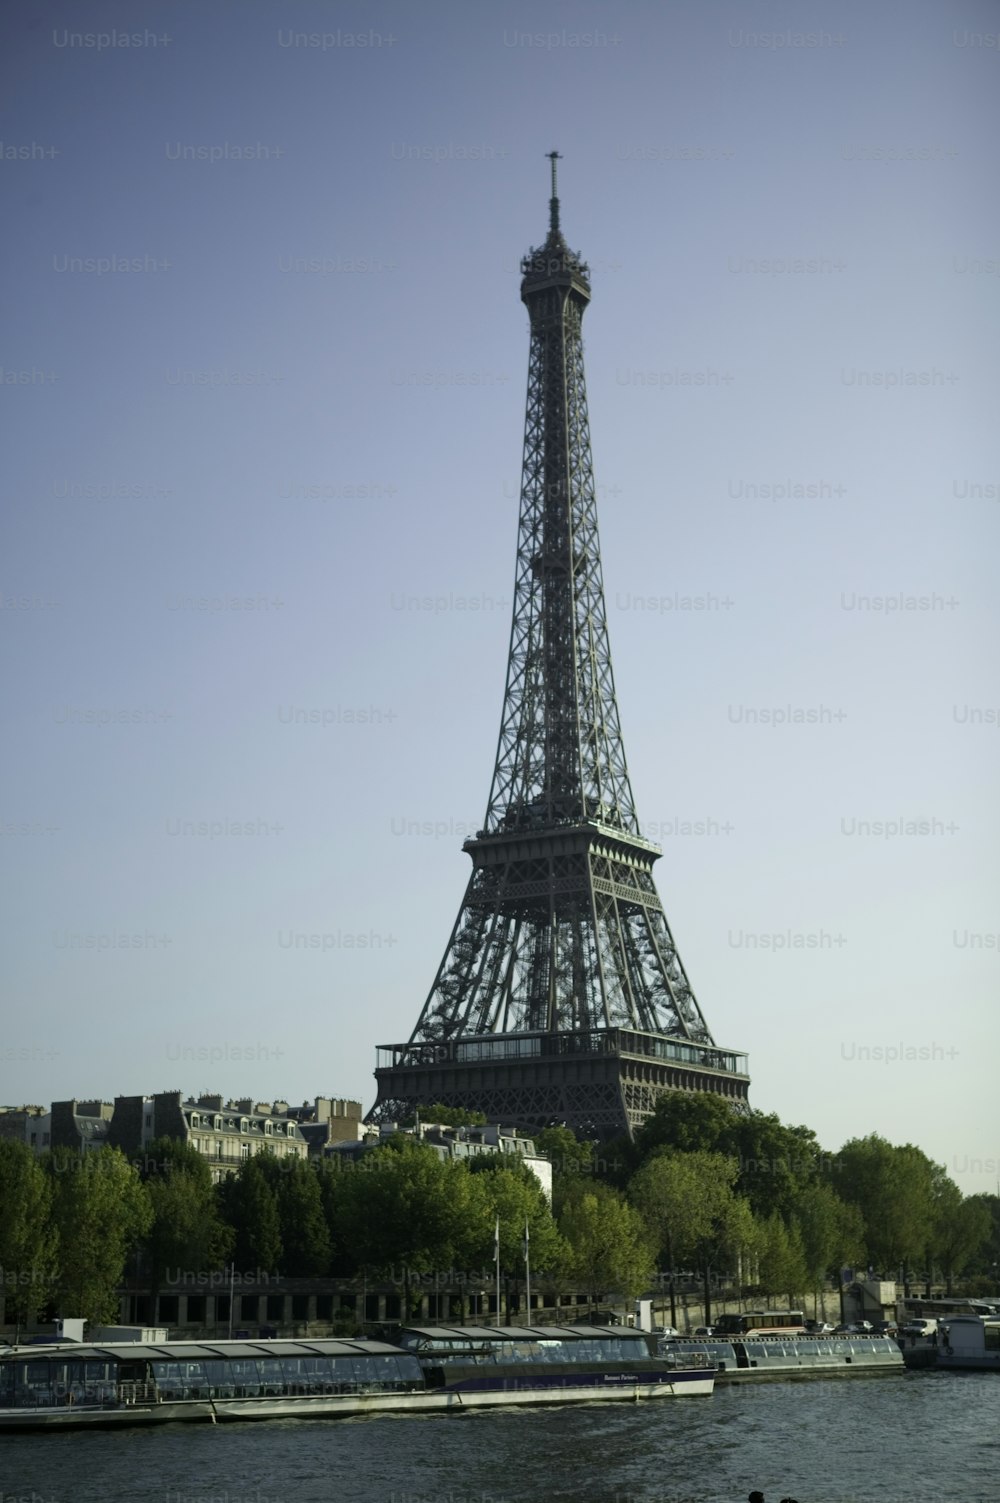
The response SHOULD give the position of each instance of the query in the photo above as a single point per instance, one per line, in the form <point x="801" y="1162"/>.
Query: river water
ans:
<point x="903" y="1439"/>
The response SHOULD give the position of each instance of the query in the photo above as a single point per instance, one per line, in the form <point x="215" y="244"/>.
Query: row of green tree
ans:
<point x="701" y="1187"/>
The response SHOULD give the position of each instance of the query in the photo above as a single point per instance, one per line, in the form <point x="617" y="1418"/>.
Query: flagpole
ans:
<point x="496" y="1259"/>
<point x="527" y="1269"/>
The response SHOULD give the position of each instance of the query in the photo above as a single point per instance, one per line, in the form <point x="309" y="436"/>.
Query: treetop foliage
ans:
<point x="702" y="1187"/>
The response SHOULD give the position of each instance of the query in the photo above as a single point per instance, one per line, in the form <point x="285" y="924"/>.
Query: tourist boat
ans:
<point x="961" y="1341"/>
<point x="74" y="1384"/>
<point x="77" y="1384"/>
<point x="755" y="1357"/>
<point x="489" y="1365"/>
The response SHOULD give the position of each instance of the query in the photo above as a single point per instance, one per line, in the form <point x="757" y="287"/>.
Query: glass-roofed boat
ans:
<point x="74" y="1383"/>
<point x="754" y="1357"/>
<point x="433" y="1369"/>
<point x="488" y="1365"/>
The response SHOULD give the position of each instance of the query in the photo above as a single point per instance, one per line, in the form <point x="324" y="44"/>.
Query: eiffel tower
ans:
<point x="561" y="997"/>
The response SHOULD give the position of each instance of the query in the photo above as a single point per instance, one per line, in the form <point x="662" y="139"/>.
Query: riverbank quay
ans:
<point x="219" y="1304"/>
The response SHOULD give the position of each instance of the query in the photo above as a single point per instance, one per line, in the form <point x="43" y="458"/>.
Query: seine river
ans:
<point x="903" y="1439"/>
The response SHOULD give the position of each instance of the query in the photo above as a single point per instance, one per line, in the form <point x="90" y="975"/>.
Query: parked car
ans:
<point x="886" y="1328"/>
<point x="819" y="1327"/>
<point x="668" y="1331"/>
<point x="919" y="1328"/>
<point x="703" y="1331"/>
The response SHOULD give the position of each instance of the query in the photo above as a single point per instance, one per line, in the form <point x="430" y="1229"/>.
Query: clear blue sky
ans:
<point x="264" y="343"/>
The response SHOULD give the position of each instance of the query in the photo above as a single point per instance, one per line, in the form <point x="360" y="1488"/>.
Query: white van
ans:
<point x="920" y="1327"/>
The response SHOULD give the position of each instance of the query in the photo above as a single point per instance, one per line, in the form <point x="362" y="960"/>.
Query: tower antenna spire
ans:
<point x="554" y="157"/>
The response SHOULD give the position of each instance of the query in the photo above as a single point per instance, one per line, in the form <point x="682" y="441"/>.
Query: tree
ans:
<point x="187" y="1234"/>
<point x="961" y="1227"/>
<point x="832" y="1233"/>
<point x="610" y="1247"/>
<point x="451" y="1116"/>
<point x="404" y="1211"/>
<point x="302" y="1227"/>
<point x="100" y="1209"/>
<point x="776" y="1162"/>
<point x="986" y="1259"/>
<point x="570" y="1158"/>
<point x="690" y="1203"/>
<point x="511" y="1195"/>
<point x="781" y="1264"/>
<point x="28" y="1240"/>
<point x="250" y="1206"/>
<point x="331" y="1173"/>
<point x="688" y="1121"/>
<point x="893" y="1189"/>
<point x="675" y="1193"/>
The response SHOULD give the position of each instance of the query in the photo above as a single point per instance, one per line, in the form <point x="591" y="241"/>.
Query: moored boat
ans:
<point x="968" y="1342"/>
<point x="489" y="1365"/>
<point x="75" y="1384"/>
<point x="755" y="1357"/>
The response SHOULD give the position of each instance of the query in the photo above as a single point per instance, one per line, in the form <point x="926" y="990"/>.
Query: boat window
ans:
<point x="408" y="1369"/>
<point x="32" y="1384"/>
<point x="272" y="1374"/>
<point x="243" y="1373"/>
<point x="359" y="1367"/>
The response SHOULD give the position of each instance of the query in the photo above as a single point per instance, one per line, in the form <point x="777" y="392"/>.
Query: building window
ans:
<point x="324" y="1307"/>
<point x="300" y="1307"/>
<point x="196" y="1309"/>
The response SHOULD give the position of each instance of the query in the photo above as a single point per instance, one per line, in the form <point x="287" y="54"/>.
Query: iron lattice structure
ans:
<point x="561" y="996"/>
